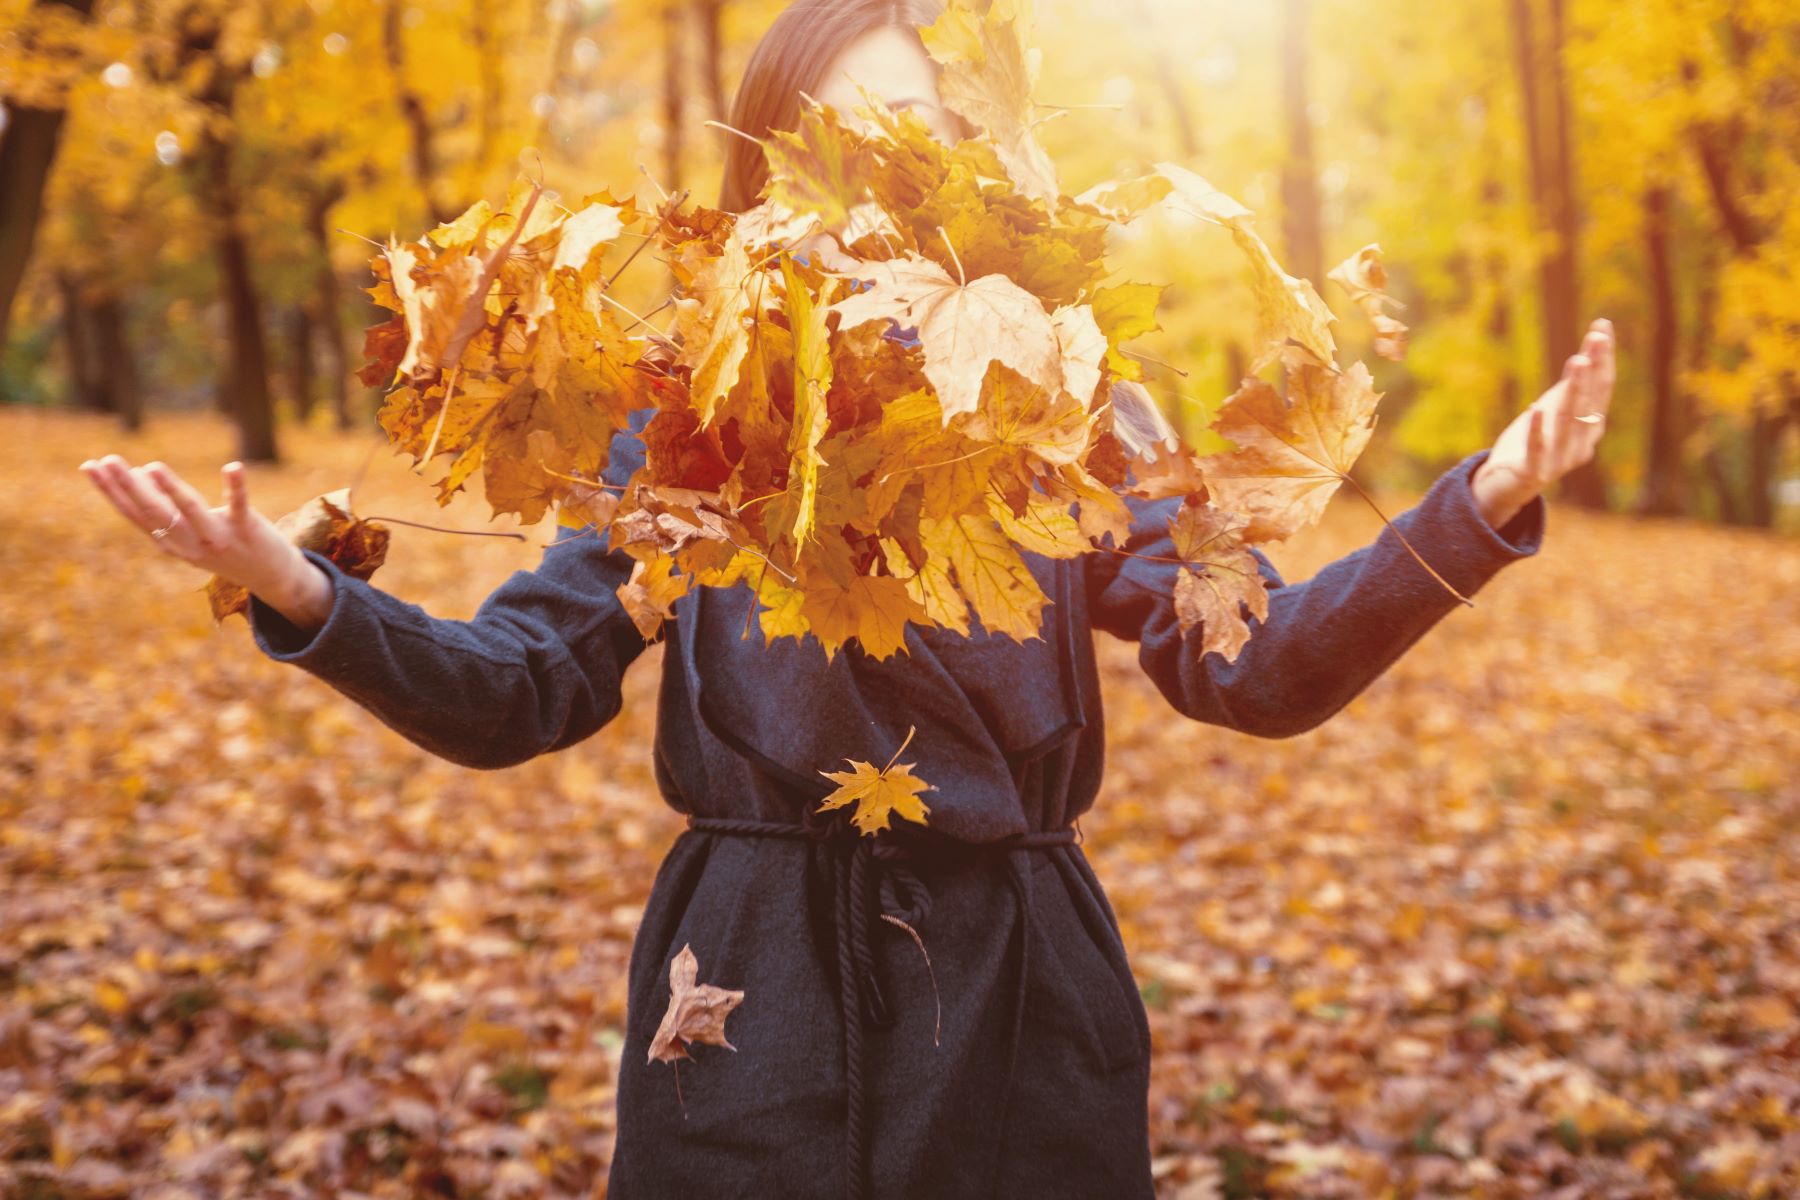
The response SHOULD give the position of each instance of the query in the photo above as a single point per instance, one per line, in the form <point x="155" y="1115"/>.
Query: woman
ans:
<point x="847" y="1079"/>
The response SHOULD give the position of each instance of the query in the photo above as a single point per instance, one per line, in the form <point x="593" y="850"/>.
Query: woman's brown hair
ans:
<point x="792" y="58"/>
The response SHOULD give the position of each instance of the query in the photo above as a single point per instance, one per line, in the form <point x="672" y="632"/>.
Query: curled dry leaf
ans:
<point x="323" y="524"/>
<point x="1365" y="277"/>
<point x="696" y="1013"/>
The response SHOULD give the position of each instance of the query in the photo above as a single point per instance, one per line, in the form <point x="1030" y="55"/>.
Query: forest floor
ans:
<point x="1522" y="921"/>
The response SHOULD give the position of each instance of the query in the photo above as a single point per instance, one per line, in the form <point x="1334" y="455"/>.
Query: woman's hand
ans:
<point x="233" y="541"/>
<point x="1552" y="437"/>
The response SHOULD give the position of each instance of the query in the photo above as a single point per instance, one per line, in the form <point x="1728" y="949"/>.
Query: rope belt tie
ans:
<point x="875" y="885"/>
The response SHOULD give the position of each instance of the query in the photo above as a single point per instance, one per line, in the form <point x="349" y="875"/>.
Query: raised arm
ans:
<point x="537" y="669"/>
<point x="1326" y="639"/>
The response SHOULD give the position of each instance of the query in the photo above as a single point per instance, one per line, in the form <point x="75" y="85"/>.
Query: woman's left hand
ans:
<point x="1552" y="437"/>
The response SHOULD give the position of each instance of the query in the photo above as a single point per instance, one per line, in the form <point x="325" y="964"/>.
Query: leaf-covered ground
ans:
<point x="1524" y="920"/>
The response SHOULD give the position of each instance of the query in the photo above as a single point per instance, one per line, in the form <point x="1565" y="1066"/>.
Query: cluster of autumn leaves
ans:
<point x="900" y="373"/>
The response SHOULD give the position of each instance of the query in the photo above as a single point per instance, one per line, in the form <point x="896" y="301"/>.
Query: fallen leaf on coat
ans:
<point x="879" y="794"/>
<point x="697" y="1011"/>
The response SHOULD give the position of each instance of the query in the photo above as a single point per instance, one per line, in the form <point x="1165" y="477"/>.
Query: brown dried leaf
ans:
<point x="696" y="1013"/>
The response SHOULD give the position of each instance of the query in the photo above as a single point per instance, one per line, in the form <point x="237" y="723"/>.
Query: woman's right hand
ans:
<point x="233" y="541"/>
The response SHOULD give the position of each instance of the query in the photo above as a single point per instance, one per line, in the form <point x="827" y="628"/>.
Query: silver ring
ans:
<point x="160" y="534"/>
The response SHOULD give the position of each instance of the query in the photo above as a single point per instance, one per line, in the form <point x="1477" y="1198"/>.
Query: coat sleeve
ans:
<point x="1324" y="640"/>
<point x="537" y="668"/>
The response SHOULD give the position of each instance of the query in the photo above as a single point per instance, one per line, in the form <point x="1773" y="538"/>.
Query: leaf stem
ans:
<point x="598" y="484"/>
<point x="767" y="561"/>
<point x="441" y="529"/>
<point x="729" y="129"/>
<point x="954" y="256"/>
<point x="1180" y="562"/>
<point x="755" y="601"/>
<point x="645" y="319"/>
<point x="1151" y="358"/>
<point x="918" y="941"/>
<point x="1409" y="546"/>
<point x="948" y="462"/>
<point x="661" y="220"/>
<point x="443" y="411"/>
<point x="910" y="730"/>
<point x="660" y="190"/>
<point x="657" y="336"/>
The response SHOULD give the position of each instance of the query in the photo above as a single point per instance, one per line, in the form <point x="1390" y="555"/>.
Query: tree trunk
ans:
<point x="1507" y="400"/>
<point x="1302" y="225"/>
<point x="117" y="367"/>
<point x="1169" y="79"/>
<point x="488" y="60"/>
<point x="1663" y="480"/>
<point x="247" y="362"/>
<point x="1544" y="90"/>
<point x="300" y="374"/>
<point x="673" y="95"/>
<point x="1300" y="219"/>
<point x="1187" y="136"/>
<point x="27" y="148"/>
<point x="27" y="151"/>
<point x="1730" y="511"/>
<point x="102" y="371"/>
<point x="328" y="316"/>
<point x="712" y="56"/>
<point x="1699" y="352"/>
<point x="85" y="391"/>
<point x="1765" y="454"/>
<point x="412" y="111"/>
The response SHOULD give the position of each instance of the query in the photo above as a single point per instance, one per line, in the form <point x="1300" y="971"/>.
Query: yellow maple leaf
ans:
<point x="821" y="168"/>
<point x="649" y="595"/>
<point x="1221" y="575"/>
<point x="987" y="77"/>
<point x="1291" y="453"/>
<point x="879" y="794"/>
<point x="962" y="325"/>
<point x="930" y="585"/>
<point x="812" y="380"/>
<point x="710" y="325"/>
<point x="994" y="579"/>
<point x="873" y="609"/>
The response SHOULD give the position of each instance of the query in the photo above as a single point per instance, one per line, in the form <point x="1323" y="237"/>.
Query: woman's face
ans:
<point x="890" y="63"/>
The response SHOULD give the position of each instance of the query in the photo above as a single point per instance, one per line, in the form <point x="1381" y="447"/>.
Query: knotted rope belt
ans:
<point x="875" y="883"/>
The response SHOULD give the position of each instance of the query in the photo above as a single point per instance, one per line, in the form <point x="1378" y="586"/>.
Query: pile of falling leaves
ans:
<point x="1519" y="922"/>
<point x="903" y="370"/>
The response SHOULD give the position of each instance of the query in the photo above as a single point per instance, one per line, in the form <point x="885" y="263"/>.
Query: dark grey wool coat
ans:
<point x="1037" y="1085"/>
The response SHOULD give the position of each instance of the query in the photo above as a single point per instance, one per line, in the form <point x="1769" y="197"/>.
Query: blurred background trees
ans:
<point x="186" y="186"/>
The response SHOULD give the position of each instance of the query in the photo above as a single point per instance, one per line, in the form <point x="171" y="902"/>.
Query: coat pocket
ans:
<point x="1083" y="970"/>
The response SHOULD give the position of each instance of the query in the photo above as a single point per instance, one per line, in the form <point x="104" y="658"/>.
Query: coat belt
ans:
<point x="875" y="884"/>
